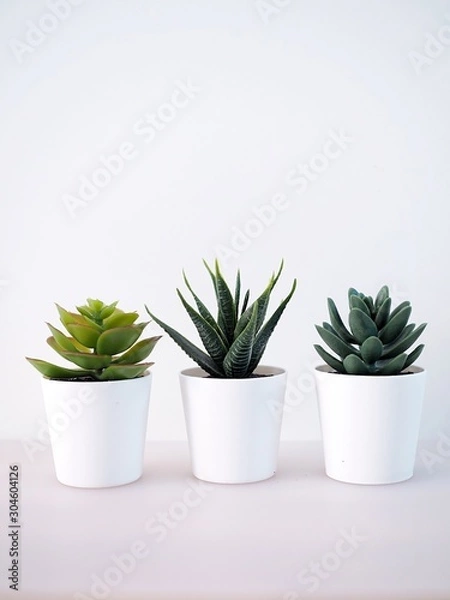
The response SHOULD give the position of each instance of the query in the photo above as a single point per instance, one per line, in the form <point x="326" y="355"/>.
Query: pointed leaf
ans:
<point x="57" y="348"/>
<point x="120" y="319"/>
<point x="382" y="296"/>
<point x="88" y="361"/>
<point x="266" y="331"/>
<point x="138" y="352"/>
<point x="119" y="339"/>
<point x="336" y="344"/>
<point x="116" y="372"/>
<point x="395" y="325"/>
<point x="227" y="313"/>
<point x="211" y="340"/>
<point x="237" y="361"/>
<point x="398" y="308"/>
<point x="371" y="349"/>
<point x="84" y="334"/>
<point x="392" y="366"/>
<point x="201" y="358"/>
<point x="108" y="310"/>
<point x="404" y="341"/>
<point x="353" y="365"/>
<point x="413" y="356"/>
<point x="361" y="325"/>
<point x="383" y="314"/>
<point x="95" y="305"/>
<point x="66" y="342"/>
<point x="67" y="317"/>
<point x="237" y="295"/>
<point x="338" y="324"/>
<point x="245" y="303"/>
<point x="56" y="372"/>
<point x="332" y="361"/>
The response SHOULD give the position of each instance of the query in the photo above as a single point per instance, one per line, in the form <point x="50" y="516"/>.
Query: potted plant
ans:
<point x="370" y="394"/>
<point x="97" y="413"/>
<point x="232" y="429"/>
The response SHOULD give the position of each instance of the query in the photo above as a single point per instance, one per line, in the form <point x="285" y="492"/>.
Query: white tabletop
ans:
<point x="296" y="535"/>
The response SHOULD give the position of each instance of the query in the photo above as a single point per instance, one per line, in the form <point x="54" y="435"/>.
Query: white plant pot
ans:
<point x="233" y="425"/>
<point x="97" y="429"/>
<point x="370" y="424"/>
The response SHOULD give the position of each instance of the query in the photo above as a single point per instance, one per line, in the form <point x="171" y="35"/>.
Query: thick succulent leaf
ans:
<point x="56" y="372"/>
<point x="64" y="341"/>
<point x="405" y="341"/>
<point x="398" y="308"/>
<point x="88" y="361"/>
<point x="263" y="303"/>
<point x="395" y="326"/>
<point x="266" y="331"/>
<point x="204" y="311"/>
<point x="119" y="339"/>
<point x="211" y="340"/>
<point x="237" y="361"/>
<point x="226" y="309"/>
<point x="361" y="325"/>
<point x="370" y="305"/>
<point x="201" y="358"/>
<point x="245" y="303"/>
<point x="57" y="347"/>
<point x="115" y="372"/>
<point x="67" y="317"/>
<point x="237" y="295"/>
<point x="96" y="305"/>
<point x="338" y="324"/>
<point x="413" y="356"/>
<point x="120" y="319"/>
<point x="85" y="334"/>
<point x="352" y="292"/>
<point x="382" y="295"/>
<point x="86" y="312"/>
<point x="108" y="310"/>
<point x="371" y="349"/>
<point x="383" y="312"/>
<point x="357" y="302"/>
<point x="332" y="361"/>
<point x="138" y="352"/>
<point x="353" y="365"/>
<point x="336" y="344"/>
<point x="392" y="366"/>
<point x="328" y="327"/>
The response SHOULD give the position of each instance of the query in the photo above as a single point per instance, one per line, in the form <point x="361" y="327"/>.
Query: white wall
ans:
<point x="270" y="86"/>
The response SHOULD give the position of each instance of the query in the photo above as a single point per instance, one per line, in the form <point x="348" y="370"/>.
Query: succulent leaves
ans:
<point x="102" y="342"/>
<point x="234" y="340"/>
<point x="376" y="341"/>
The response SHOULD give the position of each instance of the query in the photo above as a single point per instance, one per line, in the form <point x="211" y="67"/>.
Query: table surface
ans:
<point x="169" y="536"/>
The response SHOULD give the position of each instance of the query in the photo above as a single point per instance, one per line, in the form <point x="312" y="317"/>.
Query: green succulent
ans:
<point x="236" y="340"/>
<point x="102" y="342"/>
<point x="378" y="337"/>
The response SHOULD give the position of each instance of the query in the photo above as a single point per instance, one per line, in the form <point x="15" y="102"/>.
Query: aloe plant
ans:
<point x="235" y="341"/>
<point x="102" y="341"/>
<point x="377" y="339"/>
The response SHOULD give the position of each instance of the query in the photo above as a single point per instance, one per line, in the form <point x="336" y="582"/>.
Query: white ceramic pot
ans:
<point x="97" y="429"/>
<point x="233" y="425"/>
<point x="370" y="424"/>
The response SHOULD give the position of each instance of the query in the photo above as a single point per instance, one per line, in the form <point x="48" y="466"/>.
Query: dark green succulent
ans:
<point x="377" y="340"/>
<point x="236" y="340"/>
<point x="102" y="341"/>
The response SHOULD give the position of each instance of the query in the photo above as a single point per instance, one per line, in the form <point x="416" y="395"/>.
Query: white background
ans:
<point x="271" y="86"/>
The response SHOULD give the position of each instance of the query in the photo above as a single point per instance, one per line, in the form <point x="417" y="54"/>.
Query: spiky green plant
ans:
<point x="102" y="341"/>
<point x="236" y="340"/>
<point x="377" y="340"/>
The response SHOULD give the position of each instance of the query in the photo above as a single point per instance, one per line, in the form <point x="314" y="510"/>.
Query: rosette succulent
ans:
<point x="235" y="341"/>
<point x="377" y="338"/>
<point x="102" y="340"/>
